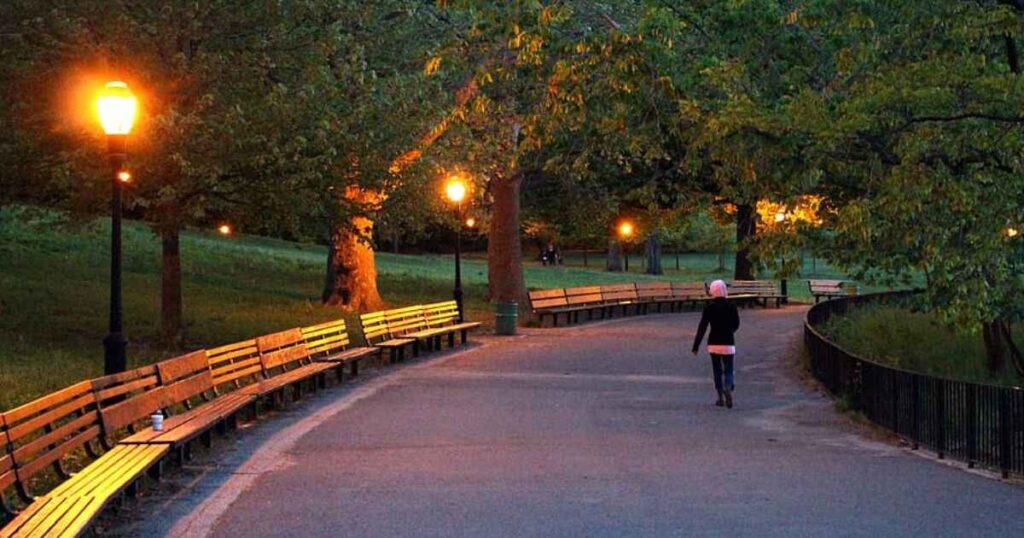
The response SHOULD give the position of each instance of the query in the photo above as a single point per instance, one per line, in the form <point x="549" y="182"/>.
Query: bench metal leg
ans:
<point x="156" y="471"/>
<point x="132" y="491"/>
<point x="206" y="438"/>
<point x="354" y="369"/>
<point x="465" y="336"/>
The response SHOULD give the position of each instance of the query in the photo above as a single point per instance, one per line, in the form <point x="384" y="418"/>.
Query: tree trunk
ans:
<point x="653" y="255"/>
<point x="170" y="286"/>
<point x="614" y="256"/>
<point x="350" y="281"/>
<point x="995" y="346"/>
<point x="746" y="229"/>
<point x="505" y="281"/>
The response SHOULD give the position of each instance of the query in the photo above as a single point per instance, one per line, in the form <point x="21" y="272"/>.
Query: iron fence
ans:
<point x="979" y="424"/>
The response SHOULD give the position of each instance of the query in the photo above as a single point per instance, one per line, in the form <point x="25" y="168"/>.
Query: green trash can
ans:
<point x="506" y="319"/>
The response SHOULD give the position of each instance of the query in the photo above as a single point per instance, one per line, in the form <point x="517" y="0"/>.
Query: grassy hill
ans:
<point x="54" y="292"/>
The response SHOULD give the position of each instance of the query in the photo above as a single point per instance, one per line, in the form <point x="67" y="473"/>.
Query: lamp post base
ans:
<point x="115" y="359"/>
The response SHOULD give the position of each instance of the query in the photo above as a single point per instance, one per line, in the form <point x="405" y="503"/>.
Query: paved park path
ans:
<point x="606" y="429"/>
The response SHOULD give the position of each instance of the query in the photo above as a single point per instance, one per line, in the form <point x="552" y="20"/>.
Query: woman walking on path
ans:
<point x="724" y="320"/>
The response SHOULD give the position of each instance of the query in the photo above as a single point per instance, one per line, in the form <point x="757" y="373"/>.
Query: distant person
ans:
<point x="550" y="255"/>
<point x="724" y="320"/>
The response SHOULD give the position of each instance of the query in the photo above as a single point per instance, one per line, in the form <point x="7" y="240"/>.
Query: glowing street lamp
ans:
<point x="626" y="230"/>
<point x="1012" y="232"/>
<point x="780" y="217"/>
<point x="455" y="190"/>
<point x="224" y="229"/>
<point x="471" y="223"/>
<point x="116" y="108"/>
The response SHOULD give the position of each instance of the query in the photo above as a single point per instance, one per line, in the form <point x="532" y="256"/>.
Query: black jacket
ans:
<point x="724" y="320"/>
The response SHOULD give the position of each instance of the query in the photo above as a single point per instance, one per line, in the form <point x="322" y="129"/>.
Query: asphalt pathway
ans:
<point x="606" y="429"/>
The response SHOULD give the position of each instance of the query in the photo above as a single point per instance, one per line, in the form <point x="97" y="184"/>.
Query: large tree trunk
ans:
<point x="350" y="281"/>
<point x="170" y="285"/>
<point x="505" y="281"/>
<point x="995" y="346"/>
<point x="653" y="255"/>
<point x="746" y="228"/>
<point x="614" y="256"/>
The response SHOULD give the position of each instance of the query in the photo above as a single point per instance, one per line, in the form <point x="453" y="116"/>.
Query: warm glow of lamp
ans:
<point x="626" y="229"/>
<point x="1012" y="232"/>
<point x="470" y="222"/>
<point x="124" y="176"/>
<point x="116" y="108"/>
<point x="224" y="229"/>
<point x="455" y="189"/>
<point x="780" y="216"/>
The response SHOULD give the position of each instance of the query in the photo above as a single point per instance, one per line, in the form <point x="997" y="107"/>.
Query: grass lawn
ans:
<point x="54" y="292"/>
<point x="918" y="342"/>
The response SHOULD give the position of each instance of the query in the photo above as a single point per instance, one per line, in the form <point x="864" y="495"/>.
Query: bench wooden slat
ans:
<point x="177" y="368"/>
<point x="42" y="432"/>
<point x="7" y="476"/>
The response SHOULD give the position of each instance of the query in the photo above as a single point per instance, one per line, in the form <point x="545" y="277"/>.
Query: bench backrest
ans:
<point x="545" y="299"/>
<point x="618" y="293"/>
<point x="653" y="290"/>
<point x="375" y="327"/>
<point x="41" y="433"/>
<point x="234" y="365"/>
<point x="326" y="338"/>
<point x="129" y="398"/>
<point x="753" y="287"/>
<point x="689" y="290"/>
<point x="441" y="314"/>
<point x="583" y="295"/>
<point x="826" y="285"/>
<point x="185" y="378"/>
<point x="282" y="350"/>
<point x="405" y="320"/>
<point x="7" y="474"/>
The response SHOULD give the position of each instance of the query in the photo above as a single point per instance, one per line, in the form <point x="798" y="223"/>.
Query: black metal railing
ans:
<point x="972" y="422"/>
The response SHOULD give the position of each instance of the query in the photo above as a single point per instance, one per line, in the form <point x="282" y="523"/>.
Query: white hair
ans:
<point x="718" y="289"/>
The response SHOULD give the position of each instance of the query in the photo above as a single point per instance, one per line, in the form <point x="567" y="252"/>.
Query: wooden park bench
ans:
<point x="619" y="295"/>
<point x="285" y="362"/>
<point x="47" y="434"/>
<point x="654" y="294"/>
<point x="692" y="293"/>
<point x="185" y="396"/>
<point x="378" y="332"/>
<point x="329" y="342"/>
<point x="399" y="328"/>
<point x="442" y="319"/>
<point x="568" y="301"/>
<point x="761" y="291"/>
<point x="830" y="288"/>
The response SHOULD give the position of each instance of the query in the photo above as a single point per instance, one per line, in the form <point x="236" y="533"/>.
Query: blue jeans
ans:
<point x="724" y="377"/>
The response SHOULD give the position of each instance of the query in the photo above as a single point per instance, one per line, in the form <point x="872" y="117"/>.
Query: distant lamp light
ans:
<point x="470" y="222"/>
<point x="1012" y="232"/>
<point x="626" y="229"/>
<point x="124" y="176"/>
<point x="780" y="217"/>
<point x="116" y="108"/>
<point x="455" y="189"/>
<point x="224" y="229"/>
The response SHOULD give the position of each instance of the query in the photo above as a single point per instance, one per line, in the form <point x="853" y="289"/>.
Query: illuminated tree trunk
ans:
<point x="746" y="229"/>
<point x="504" y="246"/>
<point x="350" y="281"/>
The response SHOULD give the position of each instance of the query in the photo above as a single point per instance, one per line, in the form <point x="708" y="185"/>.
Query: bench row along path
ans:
<point x="606" y="429"/>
